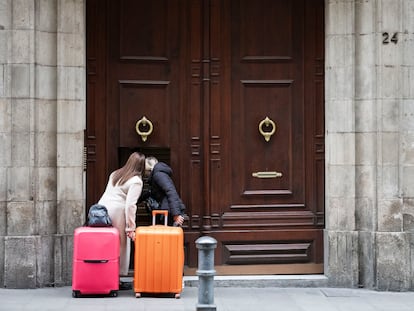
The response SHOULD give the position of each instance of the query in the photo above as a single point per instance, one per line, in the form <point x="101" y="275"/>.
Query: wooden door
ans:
<point x="207" y="74"/>
<point x="267" y="191"/>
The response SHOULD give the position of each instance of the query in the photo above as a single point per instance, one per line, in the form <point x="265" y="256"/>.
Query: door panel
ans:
<point x="270" y="68"/>
<point x="207" y="73"/>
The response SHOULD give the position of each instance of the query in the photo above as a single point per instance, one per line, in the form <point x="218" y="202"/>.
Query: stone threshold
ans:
<point x="263" y="281"/>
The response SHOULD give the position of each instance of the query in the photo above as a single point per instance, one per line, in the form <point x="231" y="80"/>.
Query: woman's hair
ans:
<point x="150" y="163"/>
<point x="133" y="167"/>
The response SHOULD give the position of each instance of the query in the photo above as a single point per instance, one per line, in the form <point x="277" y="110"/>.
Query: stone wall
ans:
<point x="369" y="126"/>
<point x="369" y="237"/>
<point x="42" y="117"/>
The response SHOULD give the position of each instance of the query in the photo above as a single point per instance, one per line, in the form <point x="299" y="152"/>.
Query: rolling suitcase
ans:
<point x="159" y="258"/>
<point x="95" y="267"/>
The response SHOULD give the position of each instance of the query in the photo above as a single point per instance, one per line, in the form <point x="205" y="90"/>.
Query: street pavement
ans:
<point x="226" y="298"/>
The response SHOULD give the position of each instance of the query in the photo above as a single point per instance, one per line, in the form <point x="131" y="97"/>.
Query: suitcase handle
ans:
<point x="163" y="212"/>
<point x="95" y="260"/>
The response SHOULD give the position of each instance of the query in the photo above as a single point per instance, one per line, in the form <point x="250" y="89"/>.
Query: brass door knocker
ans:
<point x="268" y="123"/>
<point x="145" y="123"/>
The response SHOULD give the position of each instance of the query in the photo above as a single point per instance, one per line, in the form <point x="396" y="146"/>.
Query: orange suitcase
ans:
<point x="159" y="258"/>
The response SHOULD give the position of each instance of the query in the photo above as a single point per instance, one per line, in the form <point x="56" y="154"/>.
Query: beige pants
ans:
<point x="117" y="215"/>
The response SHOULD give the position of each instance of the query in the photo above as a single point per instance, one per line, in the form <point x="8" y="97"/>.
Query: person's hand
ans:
<point x="131" y="235"/>
<point x="178" y="220"/>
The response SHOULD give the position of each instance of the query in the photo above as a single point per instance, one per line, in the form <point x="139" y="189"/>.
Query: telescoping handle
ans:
<point x="162" y="212"/>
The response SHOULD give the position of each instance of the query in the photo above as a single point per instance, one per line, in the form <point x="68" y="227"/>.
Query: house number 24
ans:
<point x="387" y="38"/>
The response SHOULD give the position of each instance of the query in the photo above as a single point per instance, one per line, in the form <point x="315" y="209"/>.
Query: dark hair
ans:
<point x="133" y="167"/>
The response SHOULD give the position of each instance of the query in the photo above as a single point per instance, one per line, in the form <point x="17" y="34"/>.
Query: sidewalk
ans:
<point x="225" y="299"/>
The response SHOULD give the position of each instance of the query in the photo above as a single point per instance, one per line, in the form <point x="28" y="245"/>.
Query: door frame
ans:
<point x="90" y="108"/>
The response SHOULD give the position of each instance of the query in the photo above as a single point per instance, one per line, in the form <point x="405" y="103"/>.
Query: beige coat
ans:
<point x="121" y="204"/>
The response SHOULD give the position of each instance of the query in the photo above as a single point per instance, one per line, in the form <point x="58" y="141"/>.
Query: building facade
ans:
<point x="369" y="141"/>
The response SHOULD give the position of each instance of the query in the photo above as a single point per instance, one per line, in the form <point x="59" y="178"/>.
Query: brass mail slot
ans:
<point x="270" y="174"/>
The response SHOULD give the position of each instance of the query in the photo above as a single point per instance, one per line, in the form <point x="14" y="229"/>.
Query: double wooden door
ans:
<point x="230" y="93"/>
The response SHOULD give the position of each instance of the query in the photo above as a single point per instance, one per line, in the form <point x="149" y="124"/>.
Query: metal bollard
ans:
<point x="206" y="272"/>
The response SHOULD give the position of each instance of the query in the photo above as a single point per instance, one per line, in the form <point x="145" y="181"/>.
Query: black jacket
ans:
<point x="163" y="190"/>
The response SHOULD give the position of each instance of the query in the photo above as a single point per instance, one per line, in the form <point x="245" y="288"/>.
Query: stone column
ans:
<point x="369" y="113"/>
<point x="394" y="171"/>
<point x="341" y="239"/>
<point x="366" y="124"/>
<point x="71" y="122"/>
<point x="42" y="117"/>
<point x="28" y="131"/>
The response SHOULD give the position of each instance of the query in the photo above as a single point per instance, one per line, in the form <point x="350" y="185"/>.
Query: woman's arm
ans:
<point x="133" y="194"/>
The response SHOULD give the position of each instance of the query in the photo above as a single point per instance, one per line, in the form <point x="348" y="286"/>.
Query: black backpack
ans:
<point x="98" y="216"/>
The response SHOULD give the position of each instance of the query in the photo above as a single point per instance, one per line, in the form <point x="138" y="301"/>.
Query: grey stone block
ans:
<point x="46" y="111"/>
<point x="45" y="265"/>
<point x="22" y="51"/>
<point x="5" y="157"/>
<point x="408" y="215"/>
<point x="21" y="219"/>
<point x="19" y="187"/>
<point x="70" y="215"/>
<point x="46" y="85"/>
<point x="366" y="254"/>
<point x="393" y="261"/>
<point x="47" y="184"/>
<point x="3" y="186"/>
<point x="74" y="22"/>
<point x="365" y="214"/>
<point x="410" y="237"/>
<point x="46" y="45"/>
<point x="63" y="255"/>
<point x="46" y="11"/>
<point x="342" y="258"/>
<point x="390" y="216"/>
<point x="46" y="218"/>
<point x="23" y="14"/>
<point x="2" y="260"/>
<point x="20" y="262"/>
<point x="20" y="81"/>
<point x="3" y="220"/>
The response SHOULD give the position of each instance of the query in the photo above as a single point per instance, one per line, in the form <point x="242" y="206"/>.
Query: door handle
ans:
<point x="268" y="123"/>
<point x="267" y="174"/>
<point x="144" y="122"/>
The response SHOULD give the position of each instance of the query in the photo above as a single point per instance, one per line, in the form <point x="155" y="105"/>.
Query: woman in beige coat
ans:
<point x="120" y="197"/>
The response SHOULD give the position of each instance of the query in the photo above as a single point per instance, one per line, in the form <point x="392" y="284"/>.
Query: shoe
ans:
<point x="125" y="285"/>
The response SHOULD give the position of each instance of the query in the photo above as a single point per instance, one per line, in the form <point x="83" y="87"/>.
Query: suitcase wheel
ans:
<point x="177" y="296"/>
<point x="113" y="293"/>
<point x="137" y="295"/>
<point x="76" y="294"/>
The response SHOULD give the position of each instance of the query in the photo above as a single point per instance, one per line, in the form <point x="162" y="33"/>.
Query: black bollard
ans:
<point x="206" y="272"/>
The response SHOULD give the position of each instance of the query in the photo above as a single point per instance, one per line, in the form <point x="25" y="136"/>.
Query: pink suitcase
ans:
<point x="95" y="267"/>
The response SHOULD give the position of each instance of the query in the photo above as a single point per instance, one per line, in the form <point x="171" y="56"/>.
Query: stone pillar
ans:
<point x="395" y="157"/>
<point x="42" y="117"/>
<point x="369" y="100"/>
<point x="366" y="125"/>
<point x="28" y="156"/>
<point x="341" y="239"/>
<point x="71" y="122"/>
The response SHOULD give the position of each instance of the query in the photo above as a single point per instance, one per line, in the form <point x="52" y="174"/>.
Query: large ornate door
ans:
<point x="232" y="95"/>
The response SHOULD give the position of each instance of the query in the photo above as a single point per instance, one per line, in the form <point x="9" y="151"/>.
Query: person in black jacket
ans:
<point x="163" y="190"/>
